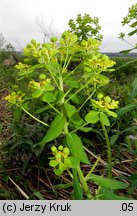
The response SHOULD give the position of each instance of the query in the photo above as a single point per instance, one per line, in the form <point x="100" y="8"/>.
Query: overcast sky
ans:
<point x="18" y="19"/>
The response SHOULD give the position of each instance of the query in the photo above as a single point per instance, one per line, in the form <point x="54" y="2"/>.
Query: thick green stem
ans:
<point x="79" y="171"/>
<point x="108" y="151"/>
<point x="84" y="184"/>
<point x="53" y="77"/>
<point x="61" y="88"/>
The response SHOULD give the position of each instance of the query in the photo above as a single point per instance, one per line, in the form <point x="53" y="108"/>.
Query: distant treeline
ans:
<point x="116" y="54"/>
<point x="110" y="54"/>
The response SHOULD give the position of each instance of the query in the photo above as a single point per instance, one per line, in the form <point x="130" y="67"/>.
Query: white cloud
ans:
<point x="18" y="18"/>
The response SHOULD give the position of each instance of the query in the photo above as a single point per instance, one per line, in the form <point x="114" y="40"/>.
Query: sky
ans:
<point x="20" y="19"/>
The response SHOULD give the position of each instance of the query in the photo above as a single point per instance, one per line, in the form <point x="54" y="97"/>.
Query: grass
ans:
<point x="23" y="176"/>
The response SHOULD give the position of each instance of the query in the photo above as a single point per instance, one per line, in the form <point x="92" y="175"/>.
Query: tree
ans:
<point x="47" y="30"/>
<point x="131" y="21"/>
<point x="2" y="41"/>
<point x="85" y="27"/>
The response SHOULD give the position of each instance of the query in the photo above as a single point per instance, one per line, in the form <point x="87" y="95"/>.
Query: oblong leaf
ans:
<point x="111" y="113"/>
<point x="63" y="186"/>
<point x="78" y="192"/>
<point x="107" y="183"/>
<point x="126" y="51"/>
<point x="104" y="119"/>
<point x="120" y="112"/>
<point x="73" y="114"/>
<point x="53" y="132"/>
<point x="55" y="129"/>
<point x="76" y="148"/>
<point x="133" y="93"/>
<point x="132" y="32"/>
<point x="111" y="196"/>
<point x="114" y="137"/>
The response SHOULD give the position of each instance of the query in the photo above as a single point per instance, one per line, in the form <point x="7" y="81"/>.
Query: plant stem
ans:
<point x="87" y="99"/>
<point x="79" y="128"/>
<point x="79" y="171"/>
<point x="70" y="173"/>
<point x="92" y="169"/>
<point x="80" y="89"/>
<point x="53" y="77"/>
<point x="38" y="120"/>
<point x="108" y="151"/>
<point x="61" y="88"/>
<point x="84" y="184"/>
<point x="54" y="108"/>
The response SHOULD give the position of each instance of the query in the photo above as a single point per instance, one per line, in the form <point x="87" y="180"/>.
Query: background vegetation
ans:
<point x="24" y="173"/>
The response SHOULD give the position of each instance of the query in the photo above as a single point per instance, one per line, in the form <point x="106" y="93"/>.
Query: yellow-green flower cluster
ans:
<point x="43" y="53"/>
<point x="38" y="85"/>
<point x="60" y="161"/>
<point x="15" y="98"/>
<point x="99" y="63"/>
<point x="22" y="66"/>
<point x="105" y="104"/>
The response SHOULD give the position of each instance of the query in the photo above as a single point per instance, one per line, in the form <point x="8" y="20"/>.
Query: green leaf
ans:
<point x="55" y="129"/>
<point x="38" y="195"/>
<point x="111" y="113"/>
<point x="102" y="79"/>
<point x="37" y="93"/>
<point x="120" y="112"/>
<point x="53" y="67"/>
<point x="53" y="163"/>
<point x="107" y="183"/>
<point x="133" y="183"/>
<point x="85" y="129"/>
<point x="72" y="83"/>
<point x="53" y="132"/>
<point x="104" y="119"/>
<point x="59" y="95"/>
<point x="134" y="24"/>
<point x="73" y="114"/>
<point x="114" y="138"/>
<point x="92" y="117"/>
<point x="63" y="186"/>
<point x="134" y="89"/>
<point x="76" y="148"/>
<point x="131" y="129"/>
<point x="71" y="162"/>
<point x="48" y="87"/>
<point x="132" y="32"/>
<point x="48" y="97"/>
<point x="78" y="193"/>
<point x="62" y="166"/>
<point x="126" y="51"/>
<point x="111" y="196"/>
<point x="17" y="113"/>
<point x="76" y="99"/>
<point x="58" y="172"/>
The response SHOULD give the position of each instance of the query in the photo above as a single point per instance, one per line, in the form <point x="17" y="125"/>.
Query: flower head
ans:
<point x="105" y="104"/>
